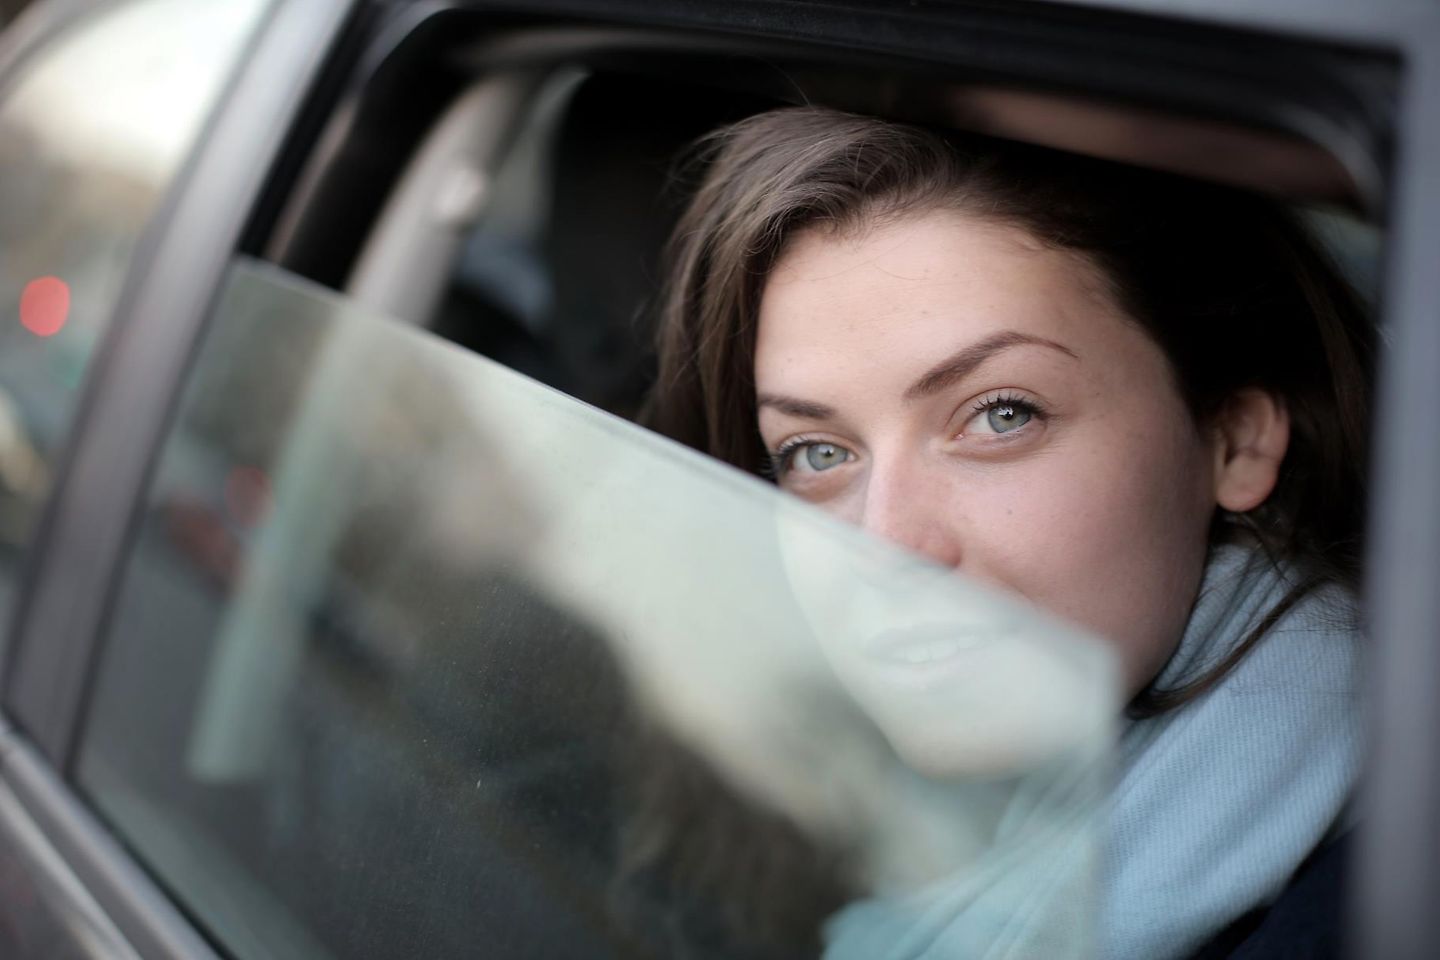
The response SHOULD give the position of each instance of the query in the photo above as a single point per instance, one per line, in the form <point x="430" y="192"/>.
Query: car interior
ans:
<point x="528" y="219"/>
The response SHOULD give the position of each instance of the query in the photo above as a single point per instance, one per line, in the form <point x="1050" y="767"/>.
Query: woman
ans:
<point x="1137" y="401"/>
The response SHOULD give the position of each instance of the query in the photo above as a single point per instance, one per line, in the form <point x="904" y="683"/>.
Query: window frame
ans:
<point x="139" y="369"/>
<point x="1397" y="868"/>
<point x="52" y="642"/>
<point x="1389" y="160"/>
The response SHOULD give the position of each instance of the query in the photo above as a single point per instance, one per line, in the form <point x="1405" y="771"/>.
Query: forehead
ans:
<point x="904" y="292"/>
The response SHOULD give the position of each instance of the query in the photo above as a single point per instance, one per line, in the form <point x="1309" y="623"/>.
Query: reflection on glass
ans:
<point x="415" y="655"/>
<point x="91" y="132"/>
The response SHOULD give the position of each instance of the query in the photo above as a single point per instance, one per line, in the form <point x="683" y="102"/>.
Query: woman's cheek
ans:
<point x="1112" y="550"/>
<point x="1022" y="530"/>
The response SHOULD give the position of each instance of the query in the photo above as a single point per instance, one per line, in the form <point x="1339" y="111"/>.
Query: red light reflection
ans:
<point x="44" y="306"/>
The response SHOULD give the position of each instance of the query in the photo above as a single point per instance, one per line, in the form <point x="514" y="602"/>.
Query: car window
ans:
<point x="416" y="656"/>
<point x="92" y="130"/>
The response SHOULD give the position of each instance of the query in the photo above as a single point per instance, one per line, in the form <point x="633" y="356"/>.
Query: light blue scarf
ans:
<point x="1214" y="806"/>
<point x="1219" y="801"/>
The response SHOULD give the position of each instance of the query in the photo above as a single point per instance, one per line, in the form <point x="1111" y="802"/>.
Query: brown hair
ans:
<point x="1227" y="283"/>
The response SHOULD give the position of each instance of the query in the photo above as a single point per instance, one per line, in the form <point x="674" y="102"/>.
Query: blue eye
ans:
<point x="1004" y="417"/>
<point x="823" y="456"/>
<point x="807" y="456"/>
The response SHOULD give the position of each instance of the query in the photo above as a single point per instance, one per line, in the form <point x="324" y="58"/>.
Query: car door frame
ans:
<point x="1398" y="859"/>
<point x="129" y="396"/>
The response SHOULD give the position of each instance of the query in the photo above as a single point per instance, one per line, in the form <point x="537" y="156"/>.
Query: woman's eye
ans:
<point x="1007" y="416"/>
<point x="999" y="415"/>
<point x="823" y="456"/>
<point x="813" y="457"/>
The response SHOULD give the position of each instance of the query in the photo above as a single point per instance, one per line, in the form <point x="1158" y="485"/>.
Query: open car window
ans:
<point x="416" y="656"/>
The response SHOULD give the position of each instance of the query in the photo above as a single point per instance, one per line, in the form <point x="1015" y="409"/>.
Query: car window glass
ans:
<point x="91" y="132"/>
<point x="414" y="656"/>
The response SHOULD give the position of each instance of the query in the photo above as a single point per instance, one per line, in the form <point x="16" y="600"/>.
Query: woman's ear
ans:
<point x="1252" y="433"/>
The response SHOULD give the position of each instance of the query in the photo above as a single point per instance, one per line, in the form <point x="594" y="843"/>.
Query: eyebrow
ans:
<point x="952" y="369"/>
<point x="806" y="409"/>
<point x="967" y="360"/>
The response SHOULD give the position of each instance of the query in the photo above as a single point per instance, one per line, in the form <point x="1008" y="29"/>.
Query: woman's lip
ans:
<point x="924" y="646"/>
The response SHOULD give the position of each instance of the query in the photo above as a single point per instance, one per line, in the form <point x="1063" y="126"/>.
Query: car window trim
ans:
<point x="72" y="851"/>
<point x="1397" y="874"/>
<point x="140" y="369"/>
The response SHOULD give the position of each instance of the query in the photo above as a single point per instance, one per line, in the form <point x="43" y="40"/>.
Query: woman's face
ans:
<point x="953" y="385"/>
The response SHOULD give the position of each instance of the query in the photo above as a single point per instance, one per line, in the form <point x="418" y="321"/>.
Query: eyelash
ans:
<point x="779" y="459"/>
<point x="1004" y="398"/>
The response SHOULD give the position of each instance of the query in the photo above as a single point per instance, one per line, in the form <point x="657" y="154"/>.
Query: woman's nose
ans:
<point x="906" y="505"/>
